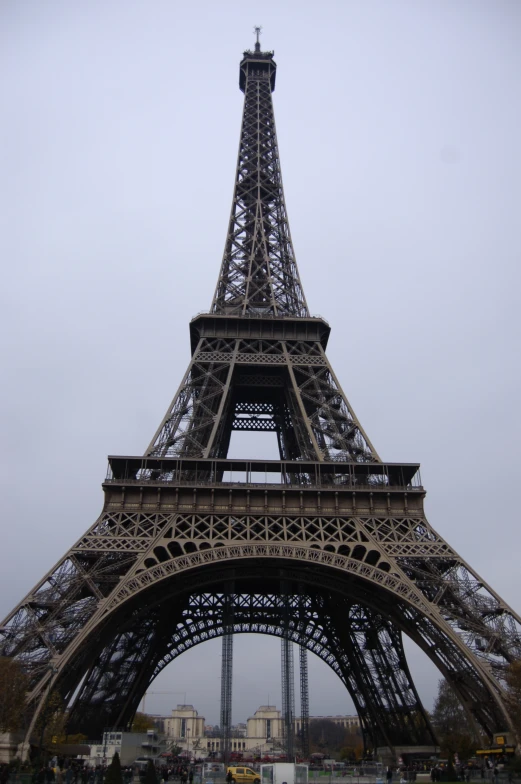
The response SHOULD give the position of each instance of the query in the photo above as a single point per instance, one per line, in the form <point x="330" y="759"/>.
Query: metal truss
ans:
<point x="227" y="675"/>
<point x="304" y="701"/>
<point x="259" y="273"/>
<point x="303" y="671"/>
<point x="204" y="616"/>
<point x="287" y="676"/>
<point x="190" y="545"/>
<point x="306" y="408"/>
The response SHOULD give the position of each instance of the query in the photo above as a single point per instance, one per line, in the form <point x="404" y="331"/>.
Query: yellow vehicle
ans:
<point x="242" y="775"/>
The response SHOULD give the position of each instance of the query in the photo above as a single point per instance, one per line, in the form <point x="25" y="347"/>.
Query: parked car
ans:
<point x="141" y="762"/>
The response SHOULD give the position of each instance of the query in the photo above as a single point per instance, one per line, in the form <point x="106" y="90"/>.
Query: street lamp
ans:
<point x="188" y="743"/>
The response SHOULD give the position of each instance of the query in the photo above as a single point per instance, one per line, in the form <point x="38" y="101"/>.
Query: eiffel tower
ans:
<point x="327" y="547"/>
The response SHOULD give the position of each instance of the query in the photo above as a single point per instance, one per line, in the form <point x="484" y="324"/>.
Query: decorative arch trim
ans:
<point x="391" y="581"/>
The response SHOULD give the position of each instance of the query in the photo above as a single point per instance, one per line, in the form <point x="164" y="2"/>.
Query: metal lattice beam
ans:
<point x="304" y="701"/>
<point x="303" y="671"/>
<point x="201" y="617"/>
<point x="300" y="398"/>
<point x="287" y="674"/>
<point x="226" y="691"/>
<point x="259" y="272"/>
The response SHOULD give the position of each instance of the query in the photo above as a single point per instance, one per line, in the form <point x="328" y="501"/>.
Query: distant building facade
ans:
<point x="262" y="735"/>
<point x="129" y="745"/>
<point x="264" y="731"/>
<point x="186" y="729"/>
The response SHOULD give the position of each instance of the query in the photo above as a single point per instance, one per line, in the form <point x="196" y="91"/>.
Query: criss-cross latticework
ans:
<point x="260" y="321"/>
<point x="327" y="546"/>
<point x="259" y="274"/>
<point x="283" y="384"/>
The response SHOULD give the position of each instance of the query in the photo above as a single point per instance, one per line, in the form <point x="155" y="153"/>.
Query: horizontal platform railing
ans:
<point x="242" y="316"/>
<point x="300" y="475"/>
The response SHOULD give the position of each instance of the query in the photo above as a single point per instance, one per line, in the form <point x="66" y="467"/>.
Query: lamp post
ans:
<point x="188" y="743"/>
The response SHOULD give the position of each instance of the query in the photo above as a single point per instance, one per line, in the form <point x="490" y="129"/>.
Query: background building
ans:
<point x="129" y="745"/>
<point x="186" y="729"/>
<point x="264" y="731"/>
<point x="262" y="735"/>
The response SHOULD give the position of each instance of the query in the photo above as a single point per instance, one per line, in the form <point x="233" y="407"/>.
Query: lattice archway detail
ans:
<point x="393" y="583"/>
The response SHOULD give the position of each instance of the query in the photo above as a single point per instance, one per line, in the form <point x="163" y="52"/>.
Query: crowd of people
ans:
<point x="180" y="773"/>
<point x="76" y="772"/>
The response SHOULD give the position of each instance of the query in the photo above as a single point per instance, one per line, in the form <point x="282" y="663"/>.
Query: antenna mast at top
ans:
<point x="257" y="30"/>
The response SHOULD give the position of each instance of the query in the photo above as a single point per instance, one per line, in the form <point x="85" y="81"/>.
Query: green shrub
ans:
<point x="151" y="775"/>
<point x="113" y="775"/>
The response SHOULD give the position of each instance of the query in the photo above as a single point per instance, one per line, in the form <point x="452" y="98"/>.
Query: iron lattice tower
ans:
<point x="191" y="545"/>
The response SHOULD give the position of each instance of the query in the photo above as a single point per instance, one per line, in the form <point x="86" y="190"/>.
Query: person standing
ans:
<point x="40" y="776"/>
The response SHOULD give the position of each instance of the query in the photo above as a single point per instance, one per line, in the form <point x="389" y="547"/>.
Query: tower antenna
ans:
<point x="257" y="30"/>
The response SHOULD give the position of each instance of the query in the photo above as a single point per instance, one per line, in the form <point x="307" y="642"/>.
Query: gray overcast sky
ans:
<point x="399" y="127"/>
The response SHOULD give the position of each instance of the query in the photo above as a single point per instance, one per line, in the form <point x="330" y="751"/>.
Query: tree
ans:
<point x="51" y="722"/>
<point x="326" y="735"/>
<point x="142" y="723"/>
<point x="150" y="773"/>
<point x="13" y="689"/>
<point x="353" y="748"/>
<point x="114" y="775"/>
<point x="455" y="731"/>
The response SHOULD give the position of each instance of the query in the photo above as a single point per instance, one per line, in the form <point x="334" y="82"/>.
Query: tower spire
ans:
<point x="258" y="273"/>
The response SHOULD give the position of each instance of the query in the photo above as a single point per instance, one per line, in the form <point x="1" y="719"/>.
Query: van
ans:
<point x="243" y="775"/>
<point x="142" y="763"/>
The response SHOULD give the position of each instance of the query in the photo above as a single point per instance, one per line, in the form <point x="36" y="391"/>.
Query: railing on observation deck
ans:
<point x="292" y="474"/>
<point x="251" y="315"/>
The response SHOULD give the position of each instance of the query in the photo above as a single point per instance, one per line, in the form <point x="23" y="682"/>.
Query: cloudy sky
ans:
<point x="399" y="127"/>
